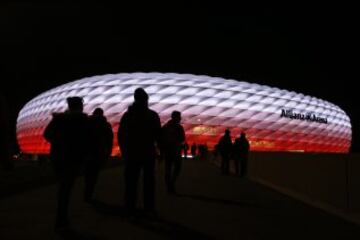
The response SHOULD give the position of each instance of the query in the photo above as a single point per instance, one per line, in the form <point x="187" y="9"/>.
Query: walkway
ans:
<point x="209" y="206"/>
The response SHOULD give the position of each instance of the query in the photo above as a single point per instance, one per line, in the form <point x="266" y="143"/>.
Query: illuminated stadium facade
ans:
<point x="274" y="119"/>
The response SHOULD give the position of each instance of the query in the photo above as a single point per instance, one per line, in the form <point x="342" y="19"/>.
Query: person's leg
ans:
<point x="244" y="167"/>
<point x="90" y="177"/>
<point x="226" y="165"/>
<point x="168" y="171"/>
<point x="236" y="162"/>
<point x="149" y="185"/>
<point x="177" y="169"/>
<point x="223" y="164"/>
<point x="132" y="172"/>
<point x="66" y="183"/>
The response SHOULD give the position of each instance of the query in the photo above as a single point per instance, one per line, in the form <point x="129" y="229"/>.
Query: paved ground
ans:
<point x="209" y="206"/>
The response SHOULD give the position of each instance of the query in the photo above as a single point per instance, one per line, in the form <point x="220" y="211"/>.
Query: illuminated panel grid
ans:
<point x="209" y="105"/>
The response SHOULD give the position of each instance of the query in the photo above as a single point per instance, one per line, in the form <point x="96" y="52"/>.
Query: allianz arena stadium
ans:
<point x="273" y="119"/>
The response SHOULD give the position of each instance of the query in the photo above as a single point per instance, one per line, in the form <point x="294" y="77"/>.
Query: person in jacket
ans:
<point x="68" y="135"/>
<point x="225" y="148"/>
<point x="138" y="135"/>
<point x="172" y="138"/>
<point x="101" y="142"/>
<point x="241" y="153"/>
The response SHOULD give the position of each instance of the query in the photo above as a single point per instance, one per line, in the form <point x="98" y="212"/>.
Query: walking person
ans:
<point x="172" y="138"/>
<point x="138" y="135"/>
<point x="242" y="147"/>
<point x="101" y="142"/>
<point x="68" y="134"/>
<point x="225" y="148"/>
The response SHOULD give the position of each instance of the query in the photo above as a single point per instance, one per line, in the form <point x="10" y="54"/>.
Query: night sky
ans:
<point x="303" y="48"/>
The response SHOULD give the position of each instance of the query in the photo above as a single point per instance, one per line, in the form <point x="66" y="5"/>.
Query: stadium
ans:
<point x="273" y="119"/>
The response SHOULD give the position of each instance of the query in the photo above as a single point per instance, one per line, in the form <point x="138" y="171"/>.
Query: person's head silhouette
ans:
<point x="141" y="97"/>
<point x="98" y="112"/>
<point x="227" y="132"/>
<point x="75" y="104"/>
<point x="243" y="135"/>
<point x="176" y="116"/>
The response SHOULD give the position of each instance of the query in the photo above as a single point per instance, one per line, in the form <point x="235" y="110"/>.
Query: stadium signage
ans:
<point x="311" y="117"/>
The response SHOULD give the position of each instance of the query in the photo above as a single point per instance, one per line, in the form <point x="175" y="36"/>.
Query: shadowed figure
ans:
<point x="240" y="152"/>
<point x="225" y="148"/>
<point x="193" y="150"/>
<point x="68" y="134"/>
<point x="138" y="134"/>
<point x="101" y="141"/>
<point x="185" y="149"/>
<point x="172" y="139"/>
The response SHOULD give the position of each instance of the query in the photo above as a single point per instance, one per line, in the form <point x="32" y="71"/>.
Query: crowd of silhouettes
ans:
<point x="83" y="143"/>
<point x="77" y="142"/>
<point x="238" y="151"/>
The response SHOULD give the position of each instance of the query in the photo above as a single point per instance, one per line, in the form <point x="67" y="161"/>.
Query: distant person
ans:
<point x="138" y="134"/>
<point x="68" y="134"/>
<point x="201" y="151"/>
<point x="172" y="138"/>
<point x="185" y="149"/>
<point x="101" y="142"/>
<point x="241" y="153"/>
<point x="225" y="148"/>
<point x="193" y="150"/>
<point x="206" y="151"/>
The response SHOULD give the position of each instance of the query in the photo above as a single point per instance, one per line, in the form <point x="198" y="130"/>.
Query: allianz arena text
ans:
<point x="273" y="119"/>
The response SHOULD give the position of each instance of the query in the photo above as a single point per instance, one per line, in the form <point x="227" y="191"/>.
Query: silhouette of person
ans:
<point x="241" y="152"/>
<point x="225" y="148"/>
<point x="185" y="148"/>
<point x="172" y="138"/>
<point x="201" y="148"/>
<point x="193" y="150"/>
<point x="138" y="134"/>
<point x="206" y="151"/>
<point x="68" y="135"/>
<point x="101" y="141"/>
<point x="203" y="151"/>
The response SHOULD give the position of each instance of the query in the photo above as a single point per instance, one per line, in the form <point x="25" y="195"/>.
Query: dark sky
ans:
<point x="304" y="48"/>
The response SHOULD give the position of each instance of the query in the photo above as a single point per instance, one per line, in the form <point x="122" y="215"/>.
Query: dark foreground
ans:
<point x="208" y="206"/>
